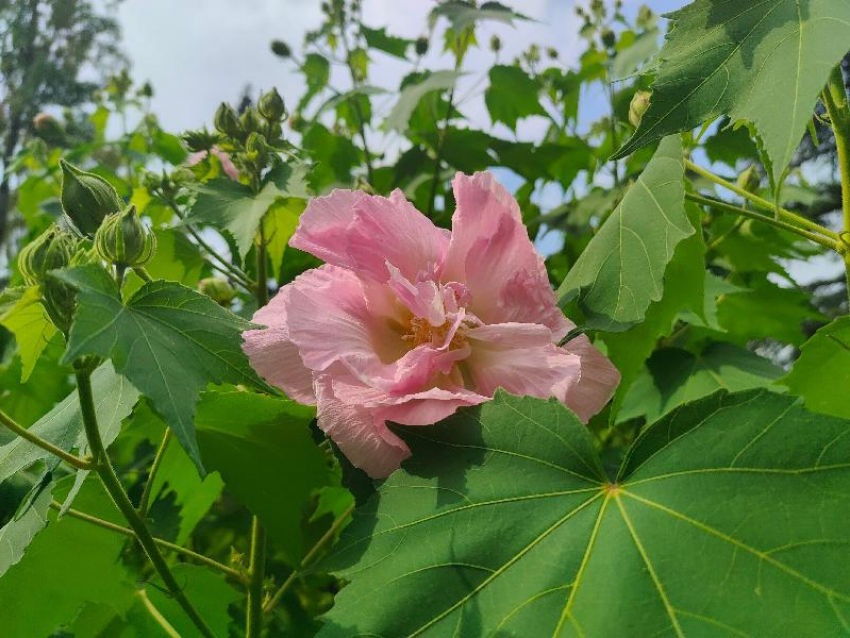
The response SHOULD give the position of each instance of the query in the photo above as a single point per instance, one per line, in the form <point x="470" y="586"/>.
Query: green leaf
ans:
<point x="764" y="62"/>
<point x="411" y="94"/>
<point x="18" y="533"/>
<point x="168" y="340"/>
<point x="726" y="517"/>
<point x="379" y="39"/>
<point x="114" y="398"/>
<point x="622" y="269"/>
<point x="674" y="376"/>
<point x="263" y="449"/>
<point x="280" y="224"/>
<point x="822" y="373"/>
<point x="632" y="57"/>
<point x="512" y="95"/>
<point x="237" y="210"/>
<point x="317" y="72"/>
<point x="684" y="299"/>
<point x="27" y="319"/>
<point x="210" y="594"/>
<point x="463" y="14"/>
<point x="335" y="156"/>
<point x="70" y="564"/>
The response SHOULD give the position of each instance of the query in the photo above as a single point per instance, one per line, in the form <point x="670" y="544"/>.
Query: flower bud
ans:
<point x="495" y="43"/>
<point x="257" y="149"/>
<point x="51" y="250"/>
<point x="421" y="45"/>
<point x="271" y="106"/>
<point x="638" y="106"/>
<point x="249" y="121"/>
<point x="197" y="141"/>
<point x="750" y="180"/>
<point x="124" y="240"/>
<point x="87" y="198"/>
<point x="217" y="289"/>
<point x="226" y="120"/>
<point x="281" y="49"/>
<point x="609" y="38"/>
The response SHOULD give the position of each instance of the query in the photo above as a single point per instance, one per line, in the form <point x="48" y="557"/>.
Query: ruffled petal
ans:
<point x="363" y="232"/>
<point x="362" y="436"/>
<point x="491" y="253"/>
<point x="599" y="379"/>
<point x="273" y="355"/>
<point x="522" y="359"/>
<point x="329" y="321"/>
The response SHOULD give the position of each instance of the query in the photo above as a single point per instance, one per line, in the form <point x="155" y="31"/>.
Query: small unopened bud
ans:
<point x="51" y="250"/>
<point x="640" y="102"/>
<point x="87" y="198"/>
<point x="217" y="289"/>
<point x="124" y="240"/>
<point x="281" y="49"/>
<point x="552" y="52"/>
<point x="421" y="45"/>
<point x="201" y="140"/>
<point x="226" y="120"/>
<point x="495" y="44"/>
<point x="250" y="121"/>
<point x="609" y="38"/>
<point x="750" y="180"/>
<point x="271" y="106"/>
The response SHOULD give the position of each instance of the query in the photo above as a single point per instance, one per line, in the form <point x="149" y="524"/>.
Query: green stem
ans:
<point x="160" y="620"/>
<point x="736" y="210"/>
<point x="262" y="289"/>
<point x="143" y="274"/>
<point x="144" y="502"/>
<point x="126" y="531"/>
<point x="787" y="215"/>
<point x="835" y="101"/>
<point x="256" y="577"/>
<point x="308" y="558"/>
<point x="104" y="469"/>
<point x="21" y="431"/>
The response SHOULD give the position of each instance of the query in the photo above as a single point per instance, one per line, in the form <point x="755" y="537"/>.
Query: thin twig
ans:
<point x="144" y="501"/>
<point x="21" y="431"/>
<point x="308" y="558"/>
<point x="177" y="549"/>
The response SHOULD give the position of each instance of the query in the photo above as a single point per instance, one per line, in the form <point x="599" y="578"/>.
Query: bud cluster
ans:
<point x="124" y="240"/>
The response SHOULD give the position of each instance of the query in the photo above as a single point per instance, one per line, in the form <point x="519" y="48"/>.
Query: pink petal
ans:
<point x="522" y="359"/>
<point x="226" y="164"/>
<point x="329" y="322"/>
<point x="362" y="232"/>
<point x="599" y="379"/>
<point x="490" y="251"/>
<point x="273" y="355"/>
<point x="430" y="406"/>
<point x="361" y="435"/>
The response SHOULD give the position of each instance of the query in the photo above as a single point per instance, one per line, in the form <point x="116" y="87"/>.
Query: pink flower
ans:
<point x="226" y="163"/>
<point x="407" y="322"/>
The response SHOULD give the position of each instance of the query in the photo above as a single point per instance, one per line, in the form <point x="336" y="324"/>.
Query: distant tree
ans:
<point x="52" y="53"/>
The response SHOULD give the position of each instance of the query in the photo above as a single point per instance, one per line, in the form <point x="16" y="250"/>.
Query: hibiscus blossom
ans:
<point x="407" y="322"/>
<point x="226" y="163"/>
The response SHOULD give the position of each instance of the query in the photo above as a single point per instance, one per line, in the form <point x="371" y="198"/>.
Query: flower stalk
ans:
<point x="21" y="431"/>
<point x="104" y="469"/>
<point x="835" y="101"/>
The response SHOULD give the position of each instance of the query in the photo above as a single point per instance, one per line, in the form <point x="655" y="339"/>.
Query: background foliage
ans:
<point x="710" y="496"/>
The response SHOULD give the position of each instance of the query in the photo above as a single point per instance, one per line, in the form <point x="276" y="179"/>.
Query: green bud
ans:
<point x="552" y="52"/>
<point x="750" y="180"/>
<point x="217" y="289"/>
<point x="609" y="38"/>
<point x="151" y="180"/>
<point x="51" y="250"/>
<point x="421" y="45"/>
<point x="87" y="198"/>
<point x="124" y="240"/>
<point x="495" y="43"/>
<point x="201" y="140"/>
<point x="250" y="121"/>
<point x="257" y="149"/>
<point x="281" y="49"/>
<point x="226" y="120"/>
<point x="271" y="106"/>
<point x="640" y="102"/>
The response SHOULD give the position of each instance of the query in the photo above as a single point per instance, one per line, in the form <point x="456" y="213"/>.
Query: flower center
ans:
<point x="421" y="331"/>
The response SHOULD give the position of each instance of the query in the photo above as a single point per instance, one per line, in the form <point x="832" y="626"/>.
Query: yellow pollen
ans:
<point x="421" y="331"/>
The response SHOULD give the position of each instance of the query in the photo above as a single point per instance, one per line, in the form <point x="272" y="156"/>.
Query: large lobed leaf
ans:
<point x="168" y="340"/>
<point x="621" y="272"/>
<point x="727" y="517"/>
<point x="764" y="61"/>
